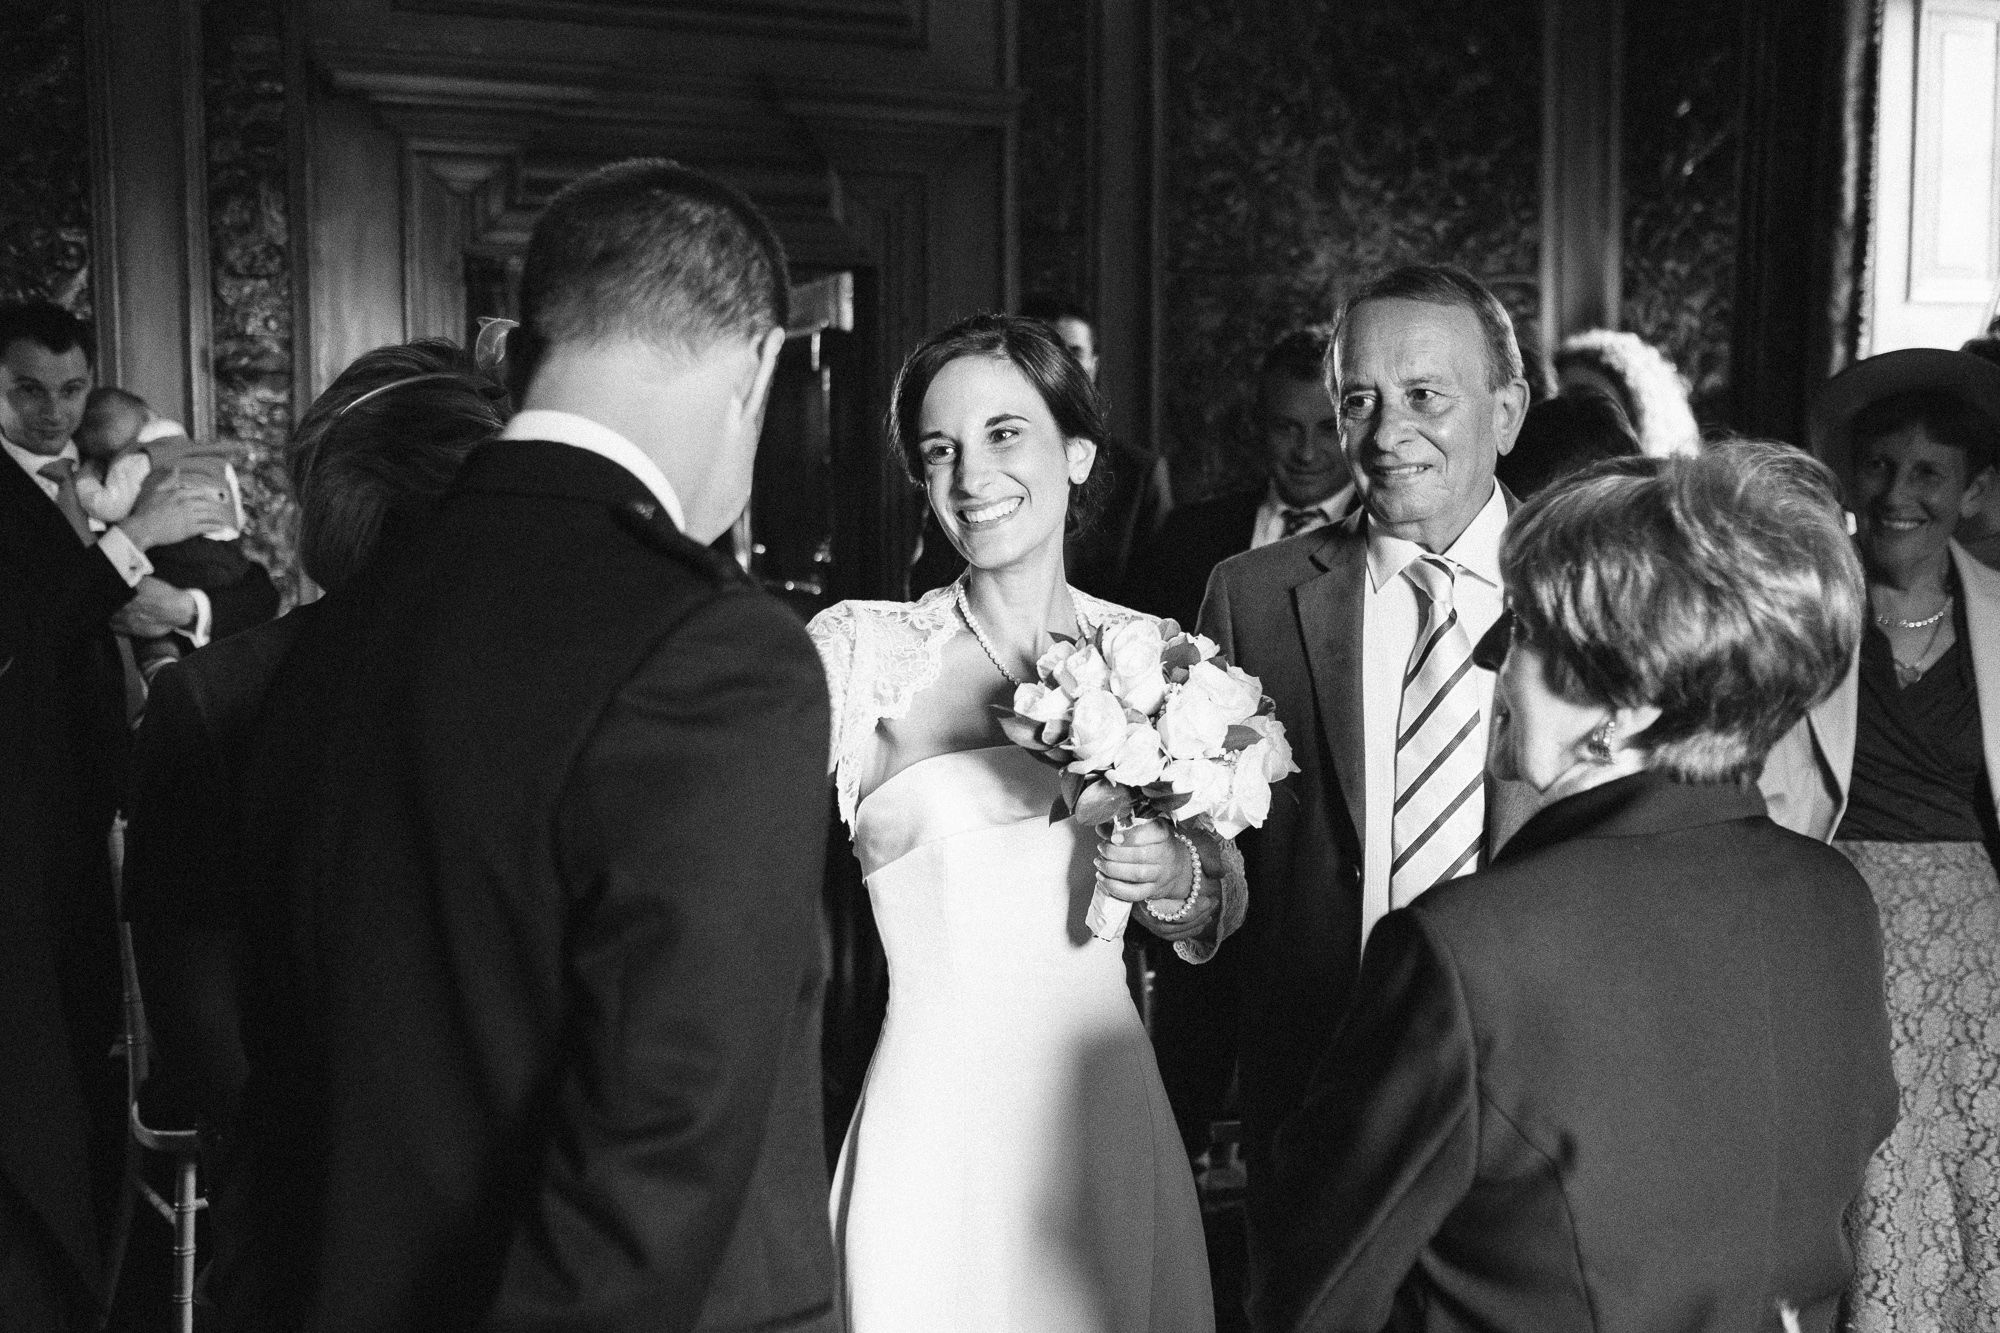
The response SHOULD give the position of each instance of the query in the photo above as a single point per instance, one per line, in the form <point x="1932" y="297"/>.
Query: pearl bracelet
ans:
<point x="1194" y="885"/>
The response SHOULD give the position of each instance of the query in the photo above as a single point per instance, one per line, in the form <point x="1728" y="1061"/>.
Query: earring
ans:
<point x="1598" y="743"/>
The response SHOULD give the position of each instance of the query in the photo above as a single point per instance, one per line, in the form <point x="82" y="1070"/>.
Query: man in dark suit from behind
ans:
<point x="546" y="797"/>
<point x="64" y="588"/>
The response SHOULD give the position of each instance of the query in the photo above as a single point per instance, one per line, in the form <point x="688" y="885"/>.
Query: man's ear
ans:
<point x="756" y="387"/>
<point x="1510" y="409"/>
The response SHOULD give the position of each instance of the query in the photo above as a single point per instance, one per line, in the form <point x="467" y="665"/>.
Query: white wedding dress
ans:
<point x="1013" y="1165"/>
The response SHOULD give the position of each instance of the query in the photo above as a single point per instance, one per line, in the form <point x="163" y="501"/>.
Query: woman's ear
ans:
<point x="1082" y="457"/>
<point x="1976" y="492"/>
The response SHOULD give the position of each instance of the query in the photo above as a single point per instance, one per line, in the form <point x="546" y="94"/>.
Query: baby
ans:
<point x="125" y="447"/>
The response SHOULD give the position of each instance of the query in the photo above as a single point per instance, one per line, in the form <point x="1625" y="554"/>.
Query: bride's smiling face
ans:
<point x="996" y="467"/>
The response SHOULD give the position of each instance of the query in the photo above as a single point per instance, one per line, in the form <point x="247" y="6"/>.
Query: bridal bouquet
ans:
<point x="1150" y="722"/>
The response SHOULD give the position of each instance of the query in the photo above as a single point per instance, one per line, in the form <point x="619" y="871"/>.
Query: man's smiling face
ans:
<point x="41" y="395"/>
<point x="1420" y="420"/>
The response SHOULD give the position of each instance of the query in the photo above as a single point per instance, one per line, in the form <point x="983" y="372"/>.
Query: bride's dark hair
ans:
<point x="1035" y="351"/>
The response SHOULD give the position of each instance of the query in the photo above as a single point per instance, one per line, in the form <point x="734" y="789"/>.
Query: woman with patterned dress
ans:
<point x="1921" y="721"/>
<point x="1013" y="1166"/>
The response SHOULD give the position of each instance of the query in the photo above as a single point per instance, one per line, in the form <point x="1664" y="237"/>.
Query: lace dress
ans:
<point x="1013" y="1166"/>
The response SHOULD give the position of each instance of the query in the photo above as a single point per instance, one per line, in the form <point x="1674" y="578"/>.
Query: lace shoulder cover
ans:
<point x="879" y="656"/>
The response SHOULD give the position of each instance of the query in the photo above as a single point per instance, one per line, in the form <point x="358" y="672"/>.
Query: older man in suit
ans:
<point x="546" y="793"/>
<point x="1362" y="633"/>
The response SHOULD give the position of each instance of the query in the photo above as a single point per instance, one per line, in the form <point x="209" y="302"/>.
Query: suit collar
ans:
<point x="552" y="468"/>
<point x="1328" y="611"/>
<point x="600" y="439"/>
<point x="1634" y="806"/>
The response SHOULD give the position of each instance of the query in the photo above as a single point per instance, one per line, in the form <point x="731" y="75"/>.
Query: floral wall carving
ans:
<point x="250" y="297"/>
<point x="1311" y="146"/>
<point x="1682" y="132"/>
<point x="45" y="160"/>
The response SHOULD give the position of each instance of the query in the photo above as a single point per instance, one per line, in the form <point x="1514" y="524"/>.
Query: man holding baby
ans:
<point x="69" y="586"/>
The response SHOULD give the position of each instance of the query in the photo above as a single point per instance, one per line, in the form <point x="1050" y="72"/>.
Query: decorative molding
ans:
<point x="1582" y="213"/>
<point x="198" y="270"/>
<point x="871" y="22"/>
<point x="106" y="296"/>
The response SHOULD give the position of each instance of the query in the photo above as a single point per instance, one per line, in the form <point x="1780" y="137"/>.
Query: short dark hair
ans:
<point x="651" y="249"/>
<point x="1300" y="354"/>
<point x="1035" y="351"/>
<point x="1565" y="434"/>
<point x="1049" y="307"/>
<point x="1942" y="414"/>
<point x="47" y="325"/>
<point x="384" y="441"/>
<point x="1720" y="587"/>
<point x="1450" y="285"/>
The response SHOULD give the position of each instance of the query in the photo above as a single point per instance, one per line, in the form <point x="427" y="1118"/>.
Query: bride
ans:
<point x="1013" y="1164"/>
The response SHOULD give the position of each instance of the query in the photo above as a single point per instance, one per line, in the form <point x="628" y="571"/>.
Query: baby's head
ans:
<point x="112" y="419"/>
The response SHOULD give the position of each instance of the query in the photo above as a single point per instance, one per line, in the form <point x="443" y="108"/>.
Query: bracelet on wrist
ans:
<point x="1194" y="885"/>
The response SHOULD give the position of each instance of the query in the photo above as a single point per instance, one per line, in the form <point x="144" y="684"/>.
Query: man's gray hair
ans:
<point x="1440" y="284"/>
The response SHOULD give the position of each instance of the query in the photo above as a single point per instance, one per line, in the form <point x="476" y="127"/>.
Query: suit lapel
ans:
<point x="1328" y="608"/>
<point x="1981" y="587"/>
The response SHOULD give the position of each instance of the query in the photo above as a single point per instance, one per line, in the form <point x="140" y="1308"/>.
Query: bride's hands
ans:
<point x="1147" y="864"/>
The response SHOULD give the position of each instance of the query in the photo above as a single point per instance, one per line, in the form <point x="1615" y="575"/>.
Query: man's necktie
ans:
<point x="62" y="471"/>
<point x="1298" y="520"/>
<point x="1440" y="813"/>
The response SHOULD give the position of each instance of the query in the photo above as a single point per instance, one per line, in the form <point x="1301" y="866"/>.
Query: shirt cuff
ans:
<point x="204" y="619"/>
<point x="125" y="557"/>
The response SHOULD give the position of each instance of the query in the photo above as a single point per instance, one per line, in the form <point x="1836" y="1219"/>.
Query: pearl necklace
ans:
<point x="972" y="623"/>
<point x="1888" y="622"/>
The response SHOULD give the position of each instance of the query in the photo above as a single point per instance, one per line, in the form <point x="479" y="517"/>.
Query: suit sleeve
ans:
<point x="1383" y="1147"/>
<point x="694" y="823"/>
<point x="1217" y="623"/>
<point x="251" y="600"/>
<point x="67" y="588"/>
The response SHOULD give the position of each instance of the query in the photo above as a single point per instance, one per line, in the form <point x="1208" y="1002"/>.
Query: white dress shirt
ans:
<point x="1390" y="622"/>
<point x="581" y="432"/>
<point x="1270" y="524"/>
<point x="130" y="562"/>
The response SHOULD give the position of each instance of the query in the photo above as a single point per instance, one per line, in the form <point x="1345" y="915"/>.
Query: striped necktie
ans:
<point x="62" y="471"/>
<point x="1440" y="813"/>
<point x="1298" y="520"/>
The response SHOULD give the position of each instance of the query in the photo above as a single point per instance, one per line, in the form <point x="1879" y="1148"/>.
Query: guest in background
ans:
<point x="1630" y="1075"/>
<point x="1138" y="492"/>
<point x="368" y="463"/>
<point x="1562" y="435"/>
<point x="64" y="589"/>
<point x="1899" y="767"/>
<point x="1638" y="377"/>
<point x="1979" y="532"/>
<point x="540" y="801"/>
<point x="125" y="447"/>
<point x="1306" y="485"/>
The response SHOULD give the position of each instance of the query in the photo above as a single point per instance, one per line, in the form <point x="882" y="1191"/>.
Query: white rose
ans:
<point x="1274" y="750"/>
<point x="1083" y="670"/>
<point x="1248" y="803"/>
<point x="1132" y="651"/>
<point x="1097" y="730"/>
<point x="1204" y="781"/>
<point x="1191" y="725"/>
<point x="1206" y="646"/>
<point x="1051" y="660"/>
<point x="1235" y="694"/>
<point x="1139" y="760"/>
<point x="1041" y="703"/>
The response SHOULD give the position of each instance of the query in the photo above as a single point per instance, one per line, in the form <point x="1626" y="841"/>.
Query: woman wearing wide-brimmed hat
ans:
<point x="1899" y="768"/>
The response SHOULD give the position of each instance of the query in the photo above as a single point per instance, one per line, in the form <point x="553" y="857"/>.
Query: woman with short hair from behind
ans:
<point x="367" y="464"/>
<point x="1629" y="1074"/>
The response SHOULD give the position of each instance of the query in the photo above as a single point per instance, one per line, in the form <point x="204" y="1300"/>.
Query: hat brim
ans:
<point x="1842" y="398"/>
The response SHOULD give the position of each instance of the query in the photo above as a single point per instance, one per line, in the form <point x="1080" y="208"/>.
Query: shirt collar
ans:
<point x="33" y="463"/>
<point x="1477" y="550"/>
<point x="1334" y="506"/>
<point x="543" y="423"/>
